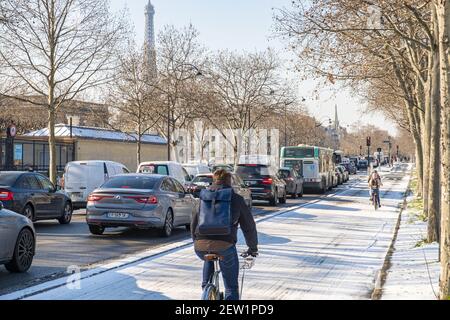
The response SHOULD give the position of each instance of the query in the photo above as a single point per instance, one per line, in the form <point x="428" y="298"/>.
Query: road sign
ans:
<point x="11" y="131"/>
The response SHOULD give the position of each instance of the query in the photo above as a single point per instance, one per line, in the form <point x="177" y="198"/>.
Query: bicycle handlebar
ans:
<point x="246" y="254"/>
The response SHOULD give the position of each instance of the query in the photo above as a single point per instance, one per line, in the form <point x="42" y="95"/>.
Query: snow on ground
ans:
<point x="414" y="272"/>
<point x="328" y="249"/>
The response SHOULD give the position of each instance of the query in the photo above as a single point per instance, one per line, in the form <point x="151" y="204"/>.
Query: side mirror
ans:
<point x="52" y="189"/>
<point x="1" y="206"/>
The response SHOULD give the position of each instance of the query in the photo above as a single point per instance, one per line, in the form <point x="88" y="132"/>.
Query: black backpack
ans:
<point x="215" y="212"/>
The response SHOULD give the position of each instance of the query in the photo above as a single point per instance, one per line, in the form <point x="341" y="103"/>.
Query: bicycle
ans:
<point x="375" y="201"/>
<point x="212" y="289"/>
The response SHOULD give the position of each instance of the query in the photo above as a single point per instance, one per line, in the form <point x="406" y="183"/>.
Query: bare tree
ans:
<point x="244" y="88"/>
<point x="57" y="49"/>
<point x="335" y="41"/>
<point x="180" y="59"/>
<point x="133" y="98"/>
<point x="443" y="14"/>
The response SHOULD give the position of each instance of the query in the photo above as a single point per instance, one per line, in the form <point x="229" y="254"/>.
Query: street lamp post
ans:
<point x="390" y="147"/>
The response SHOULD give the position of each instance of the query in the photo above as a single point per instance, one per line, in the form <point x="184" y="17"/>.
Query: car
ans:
<point x="82" y="177"/>
<point x="345" y="174"/>
<point x="339" y="175"/>
<point x="203" y="181"/>
<point x="372" y="161"/>
<point x="354" y="160"/>
<point x="293" y="180"/>
<point x="167" y="168"/>
<point x="363" y="164"/>
<point x="140" y="201"/>
<point x="17" y="241"/>
<point x="195" y="169"/>
<point x="263" y="182"/>
<point x="34" y="196"/>
<point x="222" y="166"/>
<point x="350" y="168"/>
<point x="336" y="178"/>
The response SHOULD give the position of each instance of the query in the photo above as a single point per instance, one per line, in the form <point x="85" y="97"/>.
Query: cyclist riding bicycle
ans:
<point x="375" y="183"/>
<point x="225" y="245"/>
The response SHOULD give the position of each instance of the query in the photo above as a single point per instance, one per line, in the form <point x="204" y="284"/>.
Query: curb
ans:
<point x="382" y="274"/>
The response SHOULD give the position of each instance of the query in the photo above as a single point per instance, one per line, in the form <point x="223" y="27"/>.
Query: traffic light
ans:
<point x="369" y="141"/>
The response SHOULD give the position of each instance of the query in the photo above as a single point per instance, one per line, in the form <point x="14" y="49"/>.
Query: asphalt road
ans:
<point x="59" y="247"/>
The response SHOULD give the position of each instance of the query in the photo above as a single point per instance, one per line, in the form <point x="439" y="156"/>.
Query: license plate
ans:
<point x="252" y="183"/>
<point x="118" y="215"/>
<point x="76" y="196"/>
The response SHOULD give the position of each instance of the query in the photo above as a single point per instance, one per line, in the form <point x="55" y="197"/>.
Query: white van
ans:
<point x="196" y="169"/>
<point x="166" y="168"/>
<point x="83" y="177"/>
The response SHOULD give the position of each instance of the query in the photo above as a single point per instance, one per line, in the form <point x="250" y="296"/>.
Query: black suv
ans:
<point x="204" y="180"/>
<point x="263" y="183"/>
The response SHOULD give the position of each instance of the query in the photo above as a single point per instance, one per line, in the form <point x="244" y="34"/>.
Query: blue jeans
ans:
<point x="377" y="190"/>
<point x="230" y="271"/>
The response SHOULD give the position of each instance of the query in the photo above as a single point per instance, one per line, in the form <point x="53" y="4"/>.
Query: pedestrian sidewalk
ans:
<point x="332" y="248"/>
<point x="414" y="271"/>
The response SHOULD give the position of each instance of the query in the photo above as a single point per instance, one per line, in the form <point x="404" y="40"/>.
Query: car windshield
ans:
<point x="131" y="182"/>
<point x="8" y="179"/>
<point x="203" y="179"/>
<point x="252" y="171"/>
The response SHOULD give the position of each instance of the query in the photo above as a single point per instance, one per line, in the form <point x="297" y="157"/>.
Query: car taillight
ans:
<point x="153" y="200"/>
<point x="267" y="181"/>
<point x="140" y="199"/>
<point x="6" y="195"/>
<point x="97" y="197"/>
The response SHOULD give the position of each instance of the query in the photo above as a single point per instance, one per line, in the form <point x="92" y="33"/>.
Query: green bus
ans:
<point x="314" y="163"/>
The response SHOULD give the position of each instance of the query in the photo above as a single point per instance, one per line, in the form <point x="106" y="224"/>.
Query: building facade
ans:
<point x="209" y="145"/>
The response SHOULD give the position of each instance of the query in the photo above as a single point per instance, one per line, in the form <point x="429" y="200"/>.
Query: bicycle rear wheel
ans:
<point x="211" y="293"/>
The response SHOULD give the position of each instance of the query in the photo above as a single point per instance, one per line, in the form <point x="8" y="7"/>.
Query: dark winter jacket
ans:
<point x="240" y="213"/>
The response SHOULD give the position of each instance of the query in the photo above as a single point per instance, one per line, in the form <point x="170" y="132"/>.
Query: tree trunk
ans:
<point x="419" y="164"/>
<point x="443" y="13"/>
<point x="426" y="143"/>
<point x="52" y="145"/>
<point x="138" y="151"/>
<point x="435" y="139"/>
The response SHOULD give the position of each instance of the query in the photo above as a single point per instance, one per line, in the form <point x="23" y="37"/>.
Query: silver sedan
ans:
<point x="140" y="201"/>
<point x="17" y="241"/>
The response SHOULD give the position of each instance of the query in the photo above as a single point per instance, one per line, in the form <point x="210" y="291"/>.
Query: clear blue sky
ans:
<point x="244" y="25"/>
